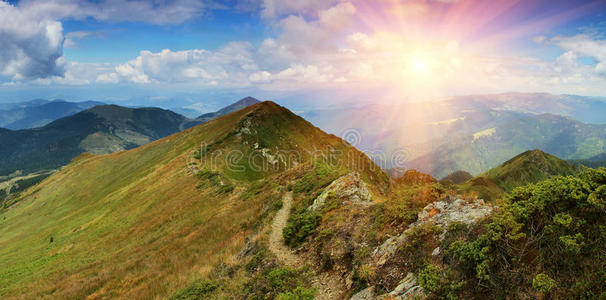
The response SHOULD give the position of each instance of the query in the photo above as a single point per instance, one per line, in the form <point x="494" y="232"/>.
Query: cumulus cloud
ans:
<point x="582" y="46"/>
<point x="31" y="47"/>
<point x="228" y="65"/>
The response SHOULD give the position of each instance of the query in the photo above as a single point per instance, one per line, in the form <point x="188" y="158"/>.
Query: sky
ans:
<point x="201" y="53"/>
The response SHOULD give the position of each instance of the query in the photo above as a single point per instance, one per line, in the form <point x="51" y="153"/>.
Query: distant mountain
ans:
<point x="37" y="113"/>
<point x="479" y="151"/>
<point x="457" y="177"/>
<point x="102" y="129"/>
<point x="240" y="104"/>
<point x="99" y="130"/>
<point x="418" y="131"/>
<point x="526" y="168"/>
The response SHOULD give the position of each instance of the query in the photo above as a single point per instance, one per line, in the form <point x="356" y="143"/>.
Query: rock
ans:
<point x="346" y="188"/>
<point x="442" y="213"/>
<point x="435" y="251"/>
<point x="365" y="294"/>
<point x="405" y="284"/>
<point x="415" y="292"/>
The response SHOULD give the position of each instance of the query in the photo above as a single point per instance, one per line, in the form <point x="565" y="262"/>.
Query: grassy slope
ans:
<point x="134" y="223"/>
<point x="528" y="167"/>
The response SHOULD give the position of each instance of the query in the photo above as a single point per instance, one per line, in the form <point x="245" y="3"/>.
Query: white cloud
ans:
<point x="580" y="46"/>
<point x="31" y="47"/>
<point x="227" y="65"/>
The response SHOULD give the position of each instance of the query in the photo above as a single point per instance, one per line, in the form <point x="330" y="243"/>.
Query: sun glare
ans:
<point x="419" y="66"/>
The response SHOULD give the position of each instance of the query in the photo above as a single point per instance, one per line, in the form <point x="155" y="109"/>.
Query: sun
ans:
<point x="419" y="66"/>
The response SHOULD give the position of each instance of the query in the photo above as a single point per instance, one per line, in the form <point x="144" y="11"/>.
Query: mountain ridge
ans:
<point x="184" y="222"/>
<point x="100" y="129"/>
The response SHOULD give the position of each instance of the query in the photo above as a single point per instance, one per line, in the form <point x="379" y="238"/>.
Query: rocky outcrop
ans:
<point x="408" y="288"/>
<point x="349" y="189"/>
<point x="442" y="213"/>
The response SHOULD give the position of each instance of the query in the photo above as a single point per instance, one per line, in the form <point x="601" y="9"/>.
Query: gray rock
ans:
<point x="346" y="188"/>
<point x="365" y="294"/>
<point x="442" y="213"/>
<point x="405" y="284"/>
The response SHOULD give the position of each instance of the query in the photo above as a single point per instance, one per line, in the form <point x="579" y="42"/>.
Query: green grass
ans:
<point x="135" y="224"/>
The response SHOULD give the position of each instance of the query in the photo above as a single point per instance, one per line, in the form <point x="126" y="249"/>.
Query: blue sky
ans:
<point x="204" y="53"/>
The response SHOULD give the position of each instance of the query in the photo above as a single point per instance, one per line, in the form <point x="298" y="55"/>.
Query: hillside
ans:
<point x="526" y="168"/>
<point x="171" y="216"/>
<point x="37" y="113"/>
<point x="456" y="177"/>
<point x="98" y="130"/>
<point x="473" y="133"/>
<point x="482" y="150"/>
<point x="102" y="129"/>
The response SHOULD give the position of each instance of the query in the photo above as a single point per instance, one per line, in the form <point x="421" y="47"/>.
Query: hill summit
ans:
<point x="529" y="167"/>
<point x="162" y="215"/>
<point x="526" y="168"/>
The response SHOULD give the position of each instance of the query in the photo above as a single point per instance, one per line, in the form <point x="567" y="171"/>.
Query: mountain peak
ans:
<point x="529" y="167"/>
<point x="242" y="103"/>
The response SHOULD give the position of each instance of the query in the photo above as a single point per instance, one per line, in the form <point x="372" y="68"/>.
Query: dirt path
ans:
<point x="326" y="285"/>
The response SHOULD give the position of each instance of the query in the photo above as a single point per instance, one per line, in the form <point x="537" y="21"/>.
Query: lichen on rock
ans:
<point x="349" y="188"/>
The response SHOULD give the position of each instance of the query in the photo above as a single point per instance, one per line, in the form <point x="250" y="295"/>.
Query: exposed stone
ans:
<point x="348" y="188"/>
<point x="365" y="294"/>
<point x="405" y="284"/>
<point x="442" y="213"/>
<point x="435" y="251"/>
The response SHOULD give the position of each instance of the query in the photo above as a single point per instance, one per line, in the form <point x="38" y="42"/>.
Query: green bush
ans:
<point x="557" y="225"/>
<point x="201" y="289"/>
<point x="299" y="293"/>
<point x="299" y="226"/>
<point x="543" y="283"/>
<point x="280" y="283"/>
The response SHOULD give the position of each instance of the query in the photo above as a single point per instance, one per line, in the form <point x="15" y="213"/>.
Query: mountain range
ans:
<point x="470" y="133"/>
<point x="260" y="204"/>
<point x="98" y="130"/>
<point x="37" y="113"/>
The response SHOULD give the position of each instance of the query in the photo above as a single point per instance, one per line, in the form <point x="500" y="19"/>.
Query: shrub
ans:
<point x="198" y="290"/>
<point x="543" y="283"/>
<point x="280" y="283"/>
<point x="300" y="226"/>
<point x="299" y="293"/>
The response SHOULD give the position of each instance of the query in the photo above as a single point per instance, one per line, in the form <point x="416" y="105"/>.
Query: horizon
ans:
<point x="178" y="54"/>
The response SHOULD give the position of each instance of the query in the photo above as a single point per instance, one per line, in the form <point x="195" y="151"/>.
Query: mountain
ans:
<point x="98" y="130"/>
<point x="260" y="204"/>
<point x="240" y="104"/>
<point x="102" y="129"/>
<point x="37" y="113"/>
<point x="457" y="177"/>
<point x="172" y="217"/>
<point x="526" y="168"/>
<point x="435" y="136"/>
<point x="479" y="151"/>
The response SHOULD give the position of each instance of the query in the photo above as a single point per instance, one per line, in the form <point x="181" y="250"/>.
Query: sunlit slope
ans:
<point x="135" y="223"/>
<point x="528" y="167"/>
